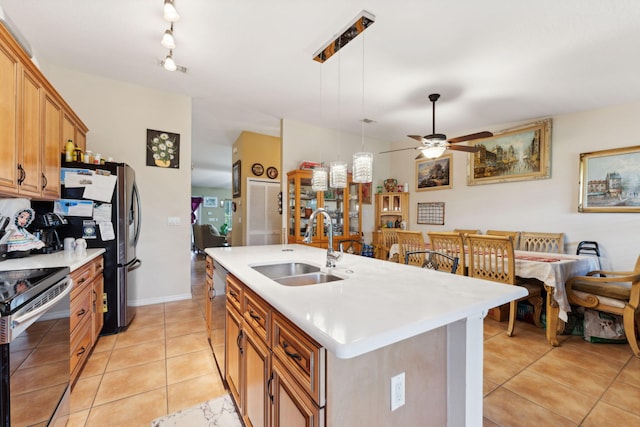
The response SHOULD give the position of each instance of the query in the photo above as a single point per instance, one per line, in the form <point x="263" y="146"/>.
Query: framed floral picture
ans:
<point x="235" y="179"/>
<point x="163" y="149"/>
<point x="610" y="180"/>
<point x="434" y="174"/>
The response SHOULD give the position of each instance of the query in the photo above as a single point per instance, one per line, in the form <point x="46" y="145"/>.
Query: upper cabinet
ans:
<point x="344" y="205"/>
<point x="35" y="122"/>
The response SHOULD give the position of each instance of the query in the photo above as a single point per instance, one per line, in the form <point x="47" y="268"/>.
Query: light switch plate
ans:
<point x="173" y="220"/>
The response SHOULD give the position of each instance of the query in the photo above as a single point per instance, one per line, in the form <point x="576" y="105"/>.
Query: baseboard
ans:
<point x="159" y="300"/>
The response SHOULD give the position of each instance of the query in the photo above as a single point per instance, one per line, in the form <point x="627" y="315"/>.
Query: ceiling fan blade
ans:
<point x="399" y="149"/>
<point x="420" y="156"/>
<point x="416" y="137"/>
<point x="470" y="137"/>
<point x="464" y="148"/>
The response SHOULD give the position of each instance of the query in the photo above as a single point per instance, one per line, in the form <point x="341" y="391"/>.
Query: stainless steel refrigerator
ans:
<point x="120" y="257"/>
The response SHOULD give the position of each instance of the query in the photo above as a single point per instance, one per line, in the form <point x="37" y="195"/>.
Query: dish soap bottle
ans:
<point x="68" y="151"/>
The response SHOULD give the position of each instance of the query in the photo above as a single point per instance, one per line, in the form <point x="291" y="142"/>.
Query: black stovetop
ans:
<point x="19" y="286"/>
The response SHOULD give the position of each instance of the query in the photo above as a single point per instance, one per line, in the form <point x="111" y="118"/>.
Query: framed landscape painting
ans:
<point x="434" y="174"/>
<point x="520" y="154"/>
<point x="610" y="180"/>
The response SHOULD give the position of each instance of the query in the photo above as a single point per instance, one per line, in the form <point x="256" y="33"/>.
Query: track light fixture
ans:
<point x="167" y="38"/>
<point x="170" y="12"/>
<point x="168" y="63"/>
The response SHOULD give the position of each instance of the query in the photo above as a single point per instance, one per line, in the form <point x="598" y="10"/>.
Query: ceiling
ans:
<point x="250" y="62"/>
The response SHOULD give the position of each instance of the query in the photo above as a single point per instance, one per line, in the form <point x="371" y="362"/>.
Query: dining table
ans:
<point x="553" y="270"/>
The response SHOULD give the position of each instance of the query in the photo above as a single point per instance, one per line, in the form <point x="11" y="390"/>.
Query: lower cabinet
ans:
<point x="274" y="371"/>
<point x="86" y="313"/>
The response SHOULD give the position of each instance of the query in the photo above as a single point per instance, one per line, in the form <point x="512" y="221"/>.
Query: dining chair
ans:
<point x="589" y="247"/>
<point x="351" y="246"/>
<point x="388" y="237"/>
<point x="449" y="243"/>
<point x="466" y="231"/>
<point x="542" y="242"/>
<point x="492" y="258"/>
<point x="616" y="293"/>
<point x="409" y="241"/>
<point x="515" y="236"/>
<point x="432" y="260"/>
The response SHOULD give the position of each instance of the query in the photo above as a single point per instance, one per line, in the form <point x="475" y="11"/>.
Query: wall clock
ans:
<point x="272" y="172"/>
<point x="257" y="169"/>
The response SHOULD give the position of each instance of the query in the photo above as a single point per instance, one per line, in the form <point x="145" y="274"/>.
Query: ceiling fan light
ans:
<point x="319" y="179"/>
<point x="363" y="167"/>
<point x="169" y="64"/>
<point x="168" y="40"/>
<point x="170" y="12"/>
<point x="433" y="152"/>
<point x="338" y="174"/>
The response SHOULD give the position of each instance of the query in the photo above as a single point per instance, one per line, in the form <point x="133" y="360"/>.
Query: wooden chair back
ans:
<point x="492" y="258"/>
<point x="542" y="242"/>
<point x="515" y="236"/>
<point x="351" y="246"/>
<point x="432" y="260"/>
<point x="388" y="237"/>
<point x="410" y="241"/>
<point x="449" y="243"/>
<point x="466" y="231"/>
<point x="615" y="292"/>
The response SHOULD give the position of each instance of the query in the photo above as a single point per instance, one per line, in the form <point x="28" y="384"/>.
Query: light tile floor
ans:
<point x="163" y="364"/>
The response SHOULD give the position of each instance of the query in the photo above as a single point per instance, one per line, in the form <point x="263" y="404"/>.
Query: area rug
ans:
<point x="218" y="412"/>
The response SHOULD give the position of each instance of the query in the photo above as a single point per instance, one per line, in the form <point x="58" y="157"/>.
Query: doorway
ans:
<point x="263" y="219"/>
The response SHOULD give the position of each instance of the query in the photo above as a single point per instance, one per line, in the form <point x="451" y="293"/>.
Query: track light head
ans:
<point x="170" y="12"/>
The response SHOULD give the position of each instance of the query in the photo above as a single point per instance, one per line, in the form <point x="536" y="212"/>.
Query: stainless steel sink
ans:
<point x="274" y="271"/>
<point x="307" y="279"/>
<point x="295" y="274"/>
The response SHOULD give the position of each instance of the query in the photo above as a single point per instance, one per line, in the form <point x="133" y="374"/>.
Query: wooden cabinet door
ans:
<point x="51" y="147"/>
<point x="234" y="341"/>
<point x="9" y="69"/>
<point x="291" y="407"/>
<point x="30" y="146"/>
<point x="98" y="309"/>
<point x="256" y="368"/>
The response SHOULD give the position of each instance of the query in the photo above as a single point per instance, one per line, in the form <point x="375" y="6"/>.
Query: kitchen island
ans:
<point x="381" y="320"/>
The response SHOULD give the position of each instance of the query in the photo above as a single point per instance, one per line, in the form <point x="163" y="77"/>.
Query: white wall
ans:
<point x="118" y="115"/>
<point x="549" y="205"/>
<point x="301" y="141"/>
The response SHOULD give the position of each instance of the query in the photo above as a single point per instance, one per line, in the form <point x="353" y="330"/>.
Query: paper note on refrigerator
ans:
<point x="101" y="188"/>
<point x="71" y="207"/>
<point x="106" y="231"/>
<point x="102" y="212"/>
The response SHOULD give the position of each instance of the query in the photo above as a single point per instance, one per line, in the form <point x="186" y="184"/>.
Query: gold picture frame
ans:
<point x="434" y="174"/>
<point x="610" y="180"/>
<point x="518" y="154"/>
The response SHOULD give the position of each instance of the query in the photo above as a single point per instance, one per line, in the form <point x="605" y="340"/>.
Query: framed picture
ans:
<point x="210" y="202"/>
<point x="366" y="193"/>
<point x="434" y="174"/>
<point x="520" y="154"/>
<point x="235" y="179"/>
<point x="163" y="149"/>
<point x="610" y="180"/>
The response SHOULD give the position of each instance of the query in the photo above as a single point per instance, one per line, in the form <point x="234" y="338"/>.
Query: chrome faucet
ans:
<point x="332" y="256"/>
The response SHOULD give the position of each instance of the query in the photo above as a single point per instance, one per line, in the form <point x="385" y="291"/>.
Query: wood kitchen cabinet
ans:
<point x="389" y="208"/>
<point x="31" y="126"/>
<point x="86" y="312"/>
<point x="275" y="372"/>
<point x="215" y="303"/>
<point x="343" y="204"/>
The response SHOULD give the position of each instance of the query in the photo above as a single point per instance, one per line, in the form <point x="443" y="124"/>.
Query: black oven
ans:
<point x="34" y="347"/>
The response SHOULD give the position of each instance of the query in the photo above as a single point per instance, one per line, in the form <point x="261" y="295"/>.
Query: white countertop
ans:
<point x="57" y="259"/>
<point x="379" y="302"/>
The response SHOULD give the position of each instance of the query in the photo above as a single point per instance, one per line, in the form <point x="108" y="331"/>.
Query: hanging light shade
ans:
<point x="168" y="40"/>
<point x="363" y="167"/>
<point x="319" y="179"/>
<point x="170" y="12"/>
<point x="338" y="174"/>
<point x="169" y="64"/>
<point x="433" y="152"/>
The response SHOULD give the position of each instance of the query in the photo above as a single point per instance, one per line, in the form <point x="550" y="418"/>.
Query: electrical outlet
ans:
<point x="397" y="391"/>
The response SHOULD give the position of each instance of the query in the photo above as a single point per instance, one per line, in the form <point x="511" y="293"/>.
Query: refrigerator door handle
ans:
<point x="134" y="265"/>
<point x="136" y="196"/>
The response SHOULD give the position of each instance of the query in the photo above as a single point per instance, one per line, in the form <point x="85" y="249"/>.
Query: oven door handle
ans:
<point x="29" y="315"/>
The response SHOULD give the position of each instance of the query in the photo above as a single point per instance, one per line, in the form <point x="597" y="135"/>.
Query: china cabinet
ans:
<point x="343" y="204"/>
<point x="391" y="209"/>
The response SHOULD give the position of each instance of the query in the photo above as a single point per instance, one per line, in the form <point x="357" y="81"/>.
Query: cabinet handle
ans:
<point x="269" y="388"/>
<point x="239" y="342"/>
<point x="295" y="356"/>
<point x="232" y="293"/>
<point x="82" y="280"/>
<point x="253" y="315"/>
<point x="81" y="312"/>
<point x="212" y="294"/>
<point x="22" y="175"/>
<point x="81" y="352"/>
<point x="44" y="182"/>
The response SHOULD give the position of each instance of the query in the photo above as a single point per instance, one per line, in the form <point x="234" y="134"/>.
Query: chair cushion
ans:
<point x="620" y="291"/>
<point x="534" y="289"/>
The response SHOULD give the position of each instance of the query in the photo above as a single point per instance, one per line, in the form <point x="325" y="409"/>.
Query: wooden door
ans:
<point x="256" y="360"/>
<point x="9" y="68"/>
<point x="30" y="146"/>
<point x="233" y="354"/>
<point x="291" y="407"/>
<point x="51" y="148"/>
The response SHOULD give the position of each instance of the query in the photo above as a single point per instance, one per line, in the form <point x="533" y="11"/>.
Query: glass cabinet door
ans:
<point x="308" y="204"/>
<point x="354" y="209"/>
<point x="333" y="200"/>
<point x="291" y="208"/>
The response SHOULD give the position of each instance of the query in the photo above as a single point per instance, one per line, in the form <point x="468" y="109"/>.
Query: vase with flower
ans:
<point x="163" y="149"/>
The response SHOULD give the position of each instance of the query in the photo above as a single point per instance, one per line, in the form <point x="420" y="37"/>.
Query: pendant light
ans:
<point x="170" y="12"/>
<point x="169" y="64"/>
<point x="167" y="38"/>
<point x="338" y="169"/>
<point x="320" y="174"/>
<point x="363" y="161"/>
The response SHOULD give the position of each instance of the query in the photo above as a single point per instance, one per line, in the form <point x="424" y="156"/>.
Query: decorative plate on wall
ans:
<point x="272" y="172"/>
<point x="257" y="169"/>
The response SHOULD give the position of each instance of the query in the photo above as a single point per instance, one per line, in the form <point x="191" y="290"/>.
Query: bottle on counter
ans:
<point x="77" y="154"/>
<point x="88" y="156"/>
<point x="68" y="151"/>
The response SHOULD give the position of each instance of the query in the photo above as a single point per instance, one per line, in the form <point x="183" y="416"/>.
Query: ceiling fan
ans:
<point x="435" y="144"/>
